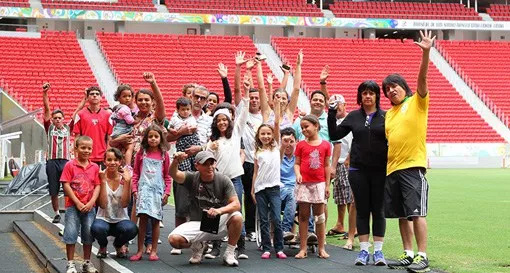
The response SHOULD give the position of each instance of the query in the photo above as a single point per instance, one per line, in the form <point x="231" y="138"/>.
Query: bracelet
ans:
<point x="323" y="83"/>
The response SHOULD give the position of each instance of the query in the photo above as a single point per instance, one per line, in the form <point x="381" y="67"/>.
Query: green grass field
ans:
<point x="468" y="222"/>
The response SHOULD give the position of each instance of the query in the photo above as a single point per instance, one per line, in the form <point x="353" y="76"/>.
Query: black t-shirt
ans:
<point x="202" y="195"/>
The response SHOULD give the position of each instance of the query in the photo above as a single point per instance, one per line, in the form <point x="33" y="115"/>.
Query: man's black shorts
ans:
<point x="54" y="168"/>
<point x="406" y="193"/>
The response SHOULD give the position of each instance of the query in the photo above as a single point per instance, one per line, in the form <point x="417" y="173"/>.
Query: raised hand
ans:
<point x="149" y="77"/>
<point x="250" y="64"/>
<point x="427" y="41"/>
<point x="46" y="86"/>
<point x="222" y="70"/>
<point x="126" y="174"/>
<point x="246" y="82"/>
<point x="324" y="73"/>
<point x="102" y="174"/>
<point x="269" y="78"/>
<point x="240" y="58"/>
<point x="299" y="60"/>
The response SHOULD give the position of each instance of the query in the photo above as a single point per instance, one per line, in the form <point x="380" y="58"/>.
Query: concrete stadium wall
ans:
<point x="33" y="135"/>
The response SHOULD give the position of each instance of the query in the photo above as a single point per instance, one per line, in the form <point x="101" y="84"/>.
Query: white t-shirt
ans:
<point x="253" y="123"/>
<point x="177" y="121"/>
<point x="268" y="175"/>
<point x="228" y="153"/>
<point x="345" y="144"/>
<point x="114" y="211"/>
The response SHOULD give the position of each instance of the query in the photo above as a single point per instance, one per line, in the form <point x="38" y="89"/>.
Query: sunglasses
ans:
<point x="197" y="97"/>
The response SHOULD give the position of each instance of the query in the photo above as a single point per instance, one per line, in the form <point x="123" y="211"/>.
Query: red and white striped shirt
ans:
<point x="59" y="140"/>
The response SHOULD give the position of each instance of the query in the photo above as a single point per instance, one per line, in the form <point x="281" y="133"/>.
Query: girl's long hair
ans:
<point x="215" y="132"/>
<point x="259" y="146"/>
<point x="163" y="144"/>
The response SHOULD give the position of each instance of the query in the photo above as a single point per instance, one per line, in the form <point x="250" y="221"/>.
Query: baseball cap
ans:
<point x="203" y="156"/>
<point x="338" y="98"/>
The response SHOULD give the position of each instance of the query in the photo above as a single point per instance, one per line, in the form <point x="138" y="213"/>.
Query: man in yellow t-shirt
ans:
<point x="406" y="189"/>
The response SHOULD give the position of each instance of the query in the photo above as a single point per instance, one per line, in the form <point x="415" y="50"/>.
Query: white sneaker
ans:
<point x="229" y="258"/>
<point x="176" y="251"/>
<point x="252" y="236"/>
<point x="159" y="242"/>
<point x="89" y="267"/>
<point x="197" y="249"/>
<point x="225" y="239"/>
<point x="71" y="267"/>
<point x="161" y="224"/>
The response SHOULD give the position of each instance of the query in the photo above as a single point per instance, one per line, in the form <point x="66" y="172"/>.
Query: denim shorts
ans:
<point x="75" y="221"/>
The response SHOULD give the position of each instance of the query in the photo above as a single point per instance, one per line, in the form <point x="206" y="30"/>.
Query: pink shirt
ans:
<point x="82" y="180"/>
<point x="312" y="160"/>
<point x="138" y="169"/>
<point x="97" y="126"/>
<point x="124" y="112"/>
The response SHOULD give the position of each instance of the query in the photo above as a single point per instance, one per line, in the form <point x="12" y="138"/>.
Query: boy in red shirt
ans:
<point x="80" y="180"/>
<point x="94" y="122"/>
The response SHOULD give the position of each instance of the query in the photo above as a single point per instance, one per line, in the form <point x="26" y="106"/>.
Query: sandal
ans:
<point x="334" y="232"/>
<point x="347" y="247"/>
<point x="101" y="255"/>
<point x="153" y="258"/>
<point x="120" y="254"/>
<point x="136" y="257"/>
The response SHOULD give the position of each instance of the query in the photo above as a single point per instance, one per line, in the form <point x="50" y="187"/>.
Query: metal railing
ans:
<point x="25" y="196"/>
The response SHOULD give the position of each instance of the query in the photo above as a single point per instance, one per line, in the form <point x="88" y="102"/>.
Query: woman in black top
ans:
<point x="367" y="171"/>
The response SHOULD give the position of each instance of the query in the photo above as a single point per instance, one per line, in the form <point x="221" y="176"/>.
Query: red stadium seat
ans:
<point x="56" y="57"/>
<point x="176" y="60"/>
<point x="351" y="62"/>
<point x="401" y="10"/>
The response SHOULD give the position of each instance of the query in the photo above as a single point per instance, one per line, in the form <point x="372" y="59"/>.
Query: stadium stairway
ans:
<point x="274" y="62"/>
<point x="100" y="68"/>
<point x="42" y="238"/>
<point x="469" y="95"/>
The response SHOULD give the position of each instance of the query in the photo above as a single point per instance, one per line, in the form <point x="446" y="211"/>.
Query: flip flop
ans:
<point x="347" y="247"/>
<point x="334" y="232"/>
<point x="136" y="257"/>
<point x="301" y="257"/>
<point x="153" y="258"/>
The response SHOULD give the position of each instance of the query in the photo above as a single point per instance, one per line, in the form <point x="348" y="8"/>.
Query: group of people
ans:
<point x="120" y="173"/>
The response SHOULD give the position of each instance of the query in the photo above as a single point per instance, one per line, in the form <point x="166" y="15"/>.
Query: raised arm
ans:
<point x="426" y="43"/>
<point x="250" y="64"/>
<point x="237" y="77"/>
<point x="295" y="89"/>
<point x="323" y="78"/>
<point x="46" y="101"/>
<point x="277" y="109"/>
<point x="286" y="74"/>
<point x="80" y="106"/>
<point x="340" y="131"/>
<point x="227" y="92"/>
<point x="269" y="79"/>
<point x="158" y="98"/>
<point x="177" y="175"/>
<point x="126" y="190"/>
<point x="264" y="105"/>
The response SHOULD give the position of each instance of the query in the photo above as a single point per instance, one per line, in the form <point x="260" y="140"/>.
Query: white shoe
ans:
<point x="197" y="249"/>
<point x="225" y="239"/>
<point x="176" y="251"/>
<point x="159" y="242"/>
<point x="161" y="224"/>
<point x="88" y="267"/>
<point x="229" y="258"/>
<point x="71" y="267"/>
<point x="252" y="236"/>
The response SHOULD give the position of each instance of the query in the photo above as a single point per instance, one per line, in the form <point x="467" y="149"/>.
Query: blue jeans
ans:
<point x="75" y="221"/>
<point x="268" y="202"/>
<point x="238" y="186"/>
<point x="289" y="207"/>
<point x="123" y="231"/>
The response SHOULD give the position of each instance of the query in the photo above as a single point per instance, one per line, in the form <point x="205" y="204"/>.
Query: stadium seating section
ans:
<point x="481" y="64"/>
<point x="351" y="62"/>
<point x="176" y="60"/>
<point x="499" y="12"/>
<point x="403" y="10"/>
<point x="15" y="3"/>
<point x="250" y="7"/>
<point x="56" y="57"/>
<point x="124" y="5"/>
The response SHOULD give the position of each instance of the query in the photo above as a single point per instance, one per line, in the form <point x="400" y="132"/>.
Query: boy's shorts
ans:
<point x="76" y="221"/>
